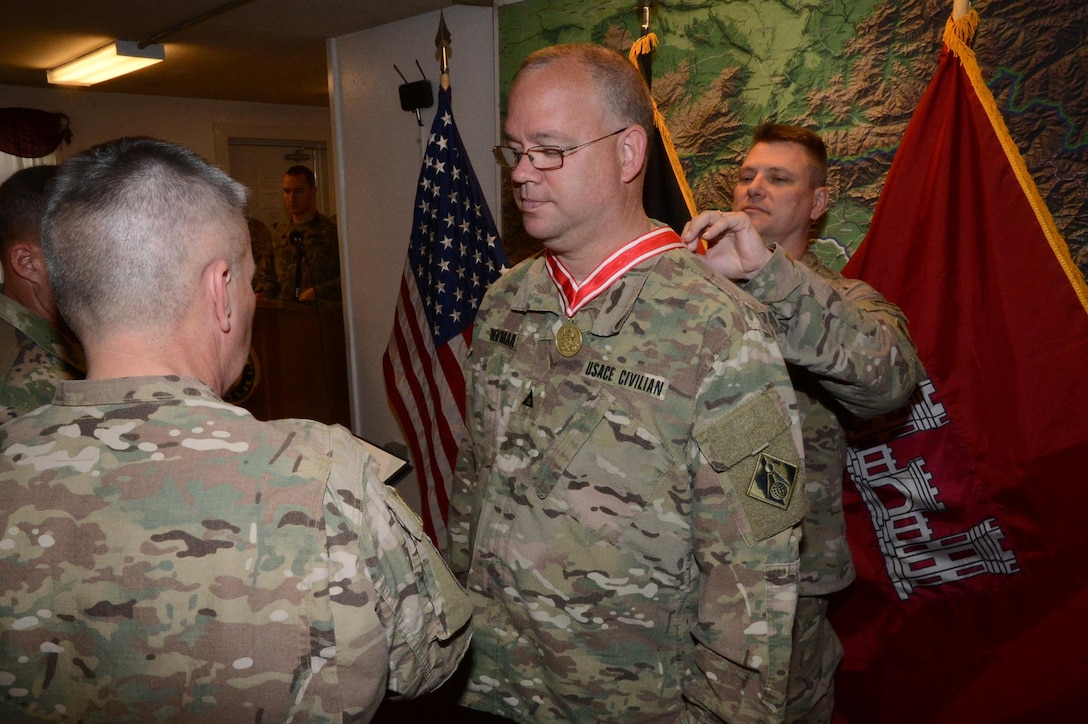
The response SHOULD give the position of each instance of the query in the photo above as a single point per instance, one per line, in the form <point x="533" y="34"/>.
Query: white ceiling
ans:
<point x="270" y="51"/>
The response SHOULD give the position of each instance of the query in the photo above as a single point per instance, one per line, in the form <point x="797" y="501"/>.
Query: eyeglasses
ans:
<point x="543" y="158"/>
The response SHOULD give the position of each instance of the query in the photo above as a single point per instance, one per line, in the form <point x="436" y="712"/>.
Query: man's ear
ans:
<point x="819" y="202"/>
<point x="217" y="280"/>
<point x="635" y="145"/>
<point x="28" y="261"/>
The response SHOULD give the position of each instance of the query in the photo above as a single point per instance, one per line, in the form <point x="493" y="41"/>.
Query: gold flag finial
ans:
<point x="442" y="43"/>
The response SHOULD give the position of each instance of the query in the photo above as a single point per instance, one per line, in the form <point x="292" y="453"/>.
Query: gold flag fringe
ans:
<point x="957" y="38"/>
<point x="643" y="46"/>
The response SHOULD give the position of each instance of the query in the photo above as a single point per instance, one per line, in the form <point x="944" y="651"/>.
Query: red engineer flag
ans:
<point x="454" y="255"/>
<point x="967" y="513"/>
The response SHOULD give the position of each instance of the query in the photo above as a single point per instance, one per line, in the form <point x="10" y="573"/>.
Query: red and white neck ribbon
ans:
<point x="576" y="295"/>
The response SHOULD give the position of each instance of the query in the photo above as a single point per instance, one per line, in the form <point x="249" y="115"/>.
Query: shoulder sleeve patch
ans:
<point x="751" y="449"/>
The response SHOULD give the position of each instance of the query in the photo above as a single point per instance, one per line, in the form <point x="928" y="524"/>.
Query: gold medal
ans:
<point x="568" y="340"/>
<point x="575" y="295"/>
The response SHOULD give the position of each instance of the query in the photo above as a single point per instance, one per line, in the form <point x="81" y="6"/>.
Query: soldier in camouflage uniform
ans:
<point x="164" y="556"/>
<point x="625" y="508"/>
<point x="848" y="352"/>
<point x="310" y="237"/>
<point x="36" y="352"/>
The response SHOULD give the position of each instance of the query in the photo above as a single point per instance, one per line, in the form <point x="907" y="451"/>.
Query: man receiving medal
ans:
<point x="628" y="555"/>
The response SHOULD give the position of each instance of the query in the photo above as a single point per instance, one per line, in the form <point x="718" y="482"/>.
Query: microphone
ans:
<point x="295" y="237"/>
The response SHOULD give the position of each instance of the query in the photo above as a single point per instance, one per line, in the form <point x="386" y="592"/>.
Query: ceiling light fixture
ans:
<point x="111" y="61"/>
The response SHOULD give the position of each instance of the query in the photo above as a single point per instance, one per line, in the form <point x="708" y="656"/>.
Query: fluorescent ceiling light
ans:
<point x="117" y="58"/>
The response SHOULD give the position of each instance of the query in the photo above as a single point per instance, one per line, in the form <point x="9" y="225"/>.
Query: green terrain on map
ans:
<point x="852" y="70"/>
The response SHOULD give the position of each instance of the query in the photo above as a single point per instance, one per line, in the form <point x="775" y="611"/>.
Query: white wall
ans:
<point x="380" y="148"/>
<point x="202" y="125"/>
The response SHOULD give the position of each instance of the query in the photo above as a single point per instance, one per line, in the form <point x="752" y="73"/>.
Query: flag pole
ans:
<point x="666" y="191"/>
<point x="642" y="50"/>
<point x="453" y="255"/>
<point x="960" y="8"/>
<point x="442" y="42"/>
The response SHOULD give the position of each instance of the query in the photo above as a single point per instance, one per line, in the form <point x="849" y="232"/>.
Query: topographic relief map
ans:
<point x="852" y="70"/>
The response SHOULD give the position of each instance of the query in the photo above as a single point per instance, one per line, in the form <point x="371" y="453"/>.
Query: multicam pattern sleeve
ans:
<point x="423" y="609"/>
<point x="749" y="501"/>
<point x="849" y="351"/>
<point x="842" y="330"/>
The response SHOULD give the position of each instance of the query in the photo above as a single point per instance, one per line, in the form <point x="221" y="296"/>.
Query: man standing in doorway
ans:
<point x="306" y="251"/>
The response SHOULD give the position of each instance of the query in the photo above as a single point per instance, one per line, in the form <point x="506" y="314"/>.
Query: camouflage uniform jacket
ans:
<point x="620" y="566"/>
<point x="320" y="258"/>
<point x="167" y="557"/>
<point x="34" y="357"/>
<point x="265" y="282"/>
<point x="849" y="353"/>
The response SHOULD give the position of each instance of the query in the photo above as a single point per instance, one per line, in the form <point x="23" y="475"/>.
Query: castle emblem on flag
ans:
<point x="905" y="504"/>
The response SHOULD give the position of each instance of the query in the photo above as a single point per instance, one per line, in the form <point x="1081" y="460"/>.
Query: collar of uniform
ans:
<point x="41" y="332"/>
<point x="129" y="390"/>
<point x="317" y="221"/>
<point x="813" y="262"/>
<point x="608" y="312"/>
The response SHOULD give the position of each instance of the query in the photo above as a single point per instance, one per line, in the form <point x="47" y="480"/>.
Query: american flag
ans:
<point x="455" y="253"/>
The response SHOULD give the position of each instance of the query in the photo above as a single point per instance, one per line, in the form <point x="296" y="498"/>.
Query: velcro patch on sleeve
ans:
<point x="752" y="450"/>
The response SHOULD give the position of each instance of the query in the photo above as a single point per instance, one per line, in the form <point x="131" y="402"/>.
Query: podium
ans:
<point x="297" y="364"/>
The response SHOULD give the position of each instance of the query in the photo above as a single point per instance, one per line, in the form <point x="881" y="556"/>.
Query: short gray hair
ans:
<point x="125" y="231"/>
<point x="619" y="83"/>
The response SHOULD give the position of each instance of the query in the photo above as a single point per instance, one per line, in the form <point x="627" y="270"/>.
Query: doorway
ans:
<point x="297" y="365"/>
<point x="259" y="163"/>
